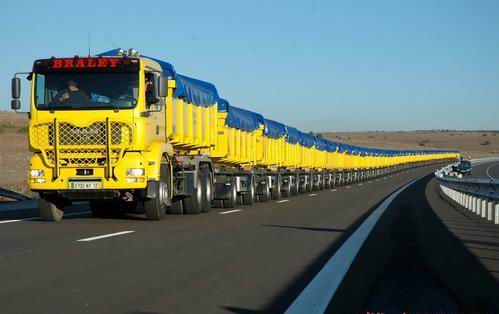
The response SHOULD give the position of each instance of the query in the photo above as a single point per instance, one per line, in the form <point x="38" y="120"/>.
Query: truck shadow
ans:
<point x="411" y="260"/>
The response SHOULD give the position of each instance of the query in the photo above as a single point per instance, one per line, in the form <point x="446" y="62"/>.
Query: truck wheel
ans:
<point x="266" y="194"/>
<point x="207" y="190"/>
<point x="308" y="186"/>
<point x="155" y="208"/>
<point x="249" y="196"/>
<point x="50" y="211"/>
<point x="194" y="203"/>
<point x="232" y="200"/>
<point x="275" y="193"/>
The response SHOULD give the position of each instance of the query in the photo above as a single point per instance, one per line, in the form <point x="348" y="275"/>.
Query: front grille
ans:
<point x="81" y="145"/>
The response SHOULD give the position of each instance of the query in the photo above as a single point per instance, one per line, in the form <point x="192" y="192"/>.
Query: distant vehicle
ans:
<point x="464" y="167"/>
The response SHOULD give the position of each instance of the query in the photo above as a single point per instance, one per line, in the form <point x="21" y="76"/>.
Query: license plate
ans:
<point x="84" y="185"/>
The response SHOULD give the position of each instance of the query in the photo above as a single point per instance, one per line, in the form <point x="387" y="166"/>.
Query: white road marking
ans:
<point x="313" y="194"/>
<point x="377" y="179"/>
<point x="282" y="201"/>
<point x="105" y="236"/>
<point x="319" y="292"/>
<point x="348" y="187"/>
<point x="9" y="221"/>
<point x="39" y="218"/>
<point x="230" y="211"/>
<point x="487" y="171"/>
<point x="334" y="190"/>
<point x="360" y="184"/>
<point x="369" y="182"/>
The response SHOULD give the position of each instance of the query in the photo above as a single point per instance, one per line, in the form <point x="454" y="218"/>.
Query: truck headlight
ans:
<point x="135" y="172"/>
<point x="36" y="173"/>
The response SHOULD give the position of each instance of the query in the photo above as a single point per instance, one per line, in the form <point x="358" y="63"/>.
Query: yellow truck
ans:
<point x="127" y="132"/>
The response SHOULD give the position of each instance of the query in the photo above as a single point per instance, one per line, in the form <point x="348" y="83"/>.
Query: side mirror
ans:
<point x="15" y="104"/>
<point x="16" y="88"/>
<point x="162" y="90"/>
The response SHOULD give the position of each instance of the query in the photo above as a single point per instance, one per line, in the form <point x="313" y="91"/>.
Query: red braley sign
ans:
<point x="85" y="63"/>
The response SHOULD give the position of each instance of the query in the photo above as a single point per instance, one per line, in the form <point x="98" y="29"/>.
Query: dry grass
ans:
<point x="14" y="153"/>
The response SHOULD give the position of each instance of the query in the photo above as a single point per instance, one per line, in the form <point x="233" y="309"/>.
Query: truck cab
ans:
<point x="97" y="131"/>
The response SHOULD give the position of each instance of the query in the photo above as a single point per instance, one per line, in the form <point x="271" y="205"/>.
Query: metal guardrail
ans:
<point x="14" y="195"/>
<point x="480" y="196"/>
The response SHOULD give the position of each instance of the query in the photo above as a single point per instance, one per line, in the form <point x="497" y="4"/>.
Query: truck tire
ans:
<point x="265" y="196"/>
<point x="193" y="204"/>
<point x="50" y="211"/>
<point x="294" y="188"/>
<point x="232" y="200"/>
<point x="249" y="196"/>
<point x="207" y="189"/>
<point x="308" y="186"/>
<point x="275" y="193"/>
<point x="155" y="208"/>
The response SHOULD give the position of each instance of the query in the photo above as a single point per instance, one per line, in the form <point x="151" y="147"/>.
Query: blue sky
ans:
<point x="316" y="65"/>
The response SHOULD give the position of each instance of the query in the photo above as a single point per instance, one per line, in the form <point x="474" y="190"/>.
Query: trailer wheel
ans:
<point x="265" y="196"/>
<point x="193" y="204"/>
<point x="207" y="189"/>
<point x="249" y="196"/>
<point x="308" y="186"/>
<point x="50" y="211"/>
<point x="232" y="200"/>
<point x="275" y="193"/>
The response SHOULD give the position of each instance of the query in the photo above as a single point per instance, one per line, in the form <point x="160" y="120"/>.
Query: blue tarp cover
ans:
<point x="293" y="136"/>
<point x="331" y="146"/>
<point x="243" y="119"/>
<point x="307" y="139"/>
<point x="344" y="148"/>
<point x="274" y="129"/>
<point x="320" y="143"/>
<point x="223" y="105"/>
<point x="194" y="91"/>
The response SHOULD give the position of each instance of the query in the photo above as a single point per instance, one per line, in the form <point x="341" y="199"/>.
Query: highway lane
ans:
<point x="255" y="259"/>
<point x="489" y="170"/>
<point x="424" y="256"/>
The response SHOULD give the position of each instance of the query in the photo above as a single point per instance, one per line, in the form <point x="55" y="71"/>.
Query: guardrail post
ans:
<point x="478" y="206"/>
<point x="490" y="209"/>
<point x="484" y="208"/>
<point x="496" y="213"/>
<point x="473" y="204"/>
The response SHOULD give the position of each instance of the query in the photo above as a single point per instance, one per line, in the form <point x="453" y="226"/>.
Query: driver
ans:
<point x="72" y="95"/>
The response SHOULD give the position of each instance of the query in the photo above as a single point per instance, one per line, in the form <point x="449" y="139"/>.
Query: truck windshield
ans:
<point x="86" y="91"/>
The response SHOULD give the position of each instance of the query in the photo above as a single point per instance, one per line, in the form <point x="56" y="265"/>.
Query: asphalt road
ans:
<point x="425" y="255"/>
<point x="485" y="171"/>
<point x="257" y="259"/>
